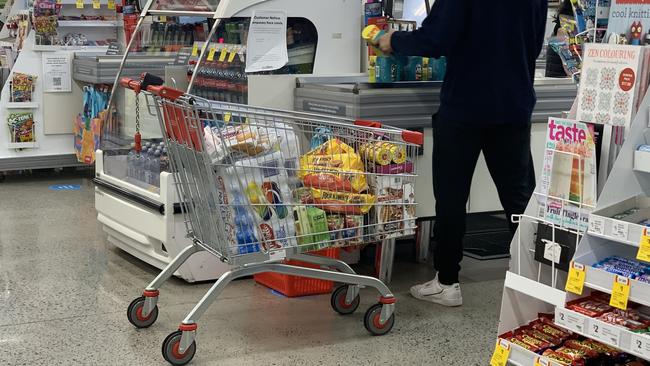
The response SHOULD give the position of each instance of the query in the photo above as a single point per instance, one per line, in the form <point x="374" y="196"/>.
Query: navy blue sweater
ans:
<point x="491" y="49"/>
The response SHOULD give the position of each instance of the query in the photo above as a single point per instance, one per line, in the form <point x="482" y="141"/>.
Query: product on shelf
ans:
<point x="597" y="306"/>
<point x="624" y="267"/>
<point x="22" y="87"/>
<point x="21" y="127"/>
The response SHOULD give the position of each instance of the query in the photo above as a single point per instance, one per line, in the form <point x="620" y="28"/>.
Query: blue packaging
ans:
<point x="414" y="69"/>
<point x="644" y="148"/>
<point x="389" y="69"/>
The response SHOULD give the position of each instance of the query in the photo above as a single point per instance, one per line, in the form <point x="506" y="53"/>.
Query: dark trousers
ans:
<point x="456" y="148"/>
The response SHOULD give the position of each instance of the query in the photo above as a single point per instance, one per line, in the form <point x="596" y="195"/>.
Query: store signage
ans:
<point x="57" y="72"/>
<point x="267" y="41"/>
<point x="604" y="332"/>
<point x="326" y="108"/>
<point x="576" y="280"/>
<point x="501" y="353"/>
<point x="113" y="49"/>
<point x="596" y="225"/>
<point x="183" y="56"/>
<point x="620" y="230"/>
<point x="569" y="320"/>
<point x="641" y="345"/>
<point x="644" y="247"/>
<point x="620" y="292"/>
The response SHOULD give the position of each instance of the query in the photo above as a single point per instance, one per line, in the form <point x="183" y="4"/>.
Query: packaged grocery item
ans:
<point x="21" y="127"/>
<point x="576" y="356"/>
<point x="320" y="136"/>
<point x="278" y="234"/>
<point x="343" y="161"/>
<point x="311" y="227"/>
<point x="336" y="202"/>
<point x="389" y="209"/>
<point x="551" y="329"/>
<point x="554" y="341"/>
<point x="619" y="319"/>
<point x="333" y="146"/>
<point x="521" y="343"/>
<point x="589" y="307"/>
<point x="405" y="168"/>
<point x="540" y="344"/>
<point x="581" y="346"/>
<point x="414" y="69"/>
<point x="335" y="225"/>
<point x="376" y="152"/>
<point x="353" y="233"/>
<point x="336" y="179"/>
<point x="557" y="357"/>
<point x="22" y="86"/>
<point x="389" y="69"/>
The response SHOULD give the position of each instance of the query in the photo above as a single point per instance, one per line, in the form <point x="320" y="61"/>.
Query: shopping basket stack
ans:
<point x="261" y="186"/>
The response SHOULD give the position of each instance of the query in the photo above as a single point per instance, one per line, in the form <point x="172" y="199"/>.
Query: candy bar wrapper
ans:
<point x="554" y="341"/>
<point x="540" y="344"/>
<point x="335" y="225"/>
<point x="619" y="319"/>
<point x="335" y="202"/>
<point x="590" y="308"/>
<point x="581" y="346"/>
<point x="521" y="343"/>
<point x="550" y="329"/>
<point x="561" y="358"/>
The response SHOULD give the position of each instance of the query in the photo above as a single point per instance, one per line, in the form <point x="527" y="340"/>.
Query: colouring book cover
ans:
<point x="609" y="83"/>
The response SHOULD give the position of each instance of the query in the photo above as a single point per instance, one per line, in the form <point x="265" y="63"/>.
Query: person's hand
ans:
<point x="385" y="42"/>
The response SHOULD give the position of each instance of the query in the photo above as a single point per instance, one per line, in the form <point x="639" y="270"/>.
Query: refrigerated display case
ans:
<point x="135" y="195"/>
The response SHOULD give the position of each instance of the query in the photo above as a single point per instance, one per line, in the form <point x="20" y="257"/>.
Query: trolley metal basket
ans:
<point x="260" y="186"/>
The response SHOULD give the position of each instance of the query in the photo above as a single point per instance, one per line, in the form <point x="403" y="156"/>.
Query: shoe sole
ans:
<point x="452" y="303"/>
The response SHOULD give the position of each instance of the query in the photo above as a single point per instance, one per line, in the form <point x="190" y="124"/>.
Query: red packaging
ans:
<point x="521" y="343"/>
<point x="550" y="329"/>
<point x="562" y="358"/>
<point x="634" y="315"/>
<point x="572" y="353"/>
<point x="581" y="346"/>
<point x="534" y="341"/>
<point x="554" y="341"/>
<point x="618" y="319"/>
<point x="590" y="308"/>
<point x="602" y="348"/>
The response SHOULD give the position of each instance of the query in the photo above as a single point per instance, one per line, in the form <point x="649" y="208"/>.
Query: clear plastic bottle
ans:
<point x="154" y="168"/>
<point x="164" y="161"/>
<point x="140" y="165"/>
<point x="130" y="162"/>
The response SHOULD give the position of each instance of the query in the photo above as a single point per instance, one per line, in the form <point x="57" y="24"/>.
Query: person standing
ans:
<point x="487" y="101"/>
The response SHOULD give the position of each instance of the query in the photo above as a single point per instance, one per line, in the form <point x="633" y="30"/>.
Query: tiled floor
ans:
<point x="64" y="291"/>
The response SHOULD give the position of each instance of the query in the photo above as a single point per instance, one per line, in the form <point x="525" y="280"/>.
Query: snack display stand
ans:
<point x="533" y="287"/>
<point x="144" y="218"/>
<point x="53" y="147"/>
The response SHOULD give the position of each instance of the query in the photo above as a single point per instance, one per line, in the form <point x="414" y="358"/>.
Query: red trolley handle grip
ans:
<point x="165" y="92"/>
<point x="132" y="84"/>
<point x="412" y="137"/>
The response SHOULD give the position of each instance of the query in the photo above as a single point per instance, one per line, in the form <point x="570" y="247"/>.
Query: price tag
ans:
<point x="542" y="361"/>
<point x="620" y="230"/>
<point x="644" y="247"/>
<point x="96" y="4"/>
<point x="604" y="332"/>
<point x="620" y="292"/>
<point x="80" y="4"/>
<point x="222" y="56"/>
<point x="227" y="117"/>
<point x="111" y="4"/>
<point x="278" y="255"/>
<point x="641" y="345"/>
<point x="501" y="353"/>
<point x="232" y="56"/>
<point x="576" y="280"/>
<point x="211" y="54"/>
<point x="195" y="49"/>
<point x="569" y="320"/>
<point x="162" y="19"/>
<point x="597" y="225"/>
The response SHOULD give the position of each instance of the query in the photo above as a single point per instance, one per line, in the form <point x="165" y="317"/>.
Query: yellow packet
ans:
<point x="336" y="202"/>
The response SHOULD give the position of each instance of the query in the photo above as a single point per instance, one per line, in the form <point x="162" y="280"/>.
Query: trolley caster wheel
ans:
<point x="134" y="313"/>
<point x="371" y="321"/>
<point x="338" y="301"/>
<point x="170" y="350"/>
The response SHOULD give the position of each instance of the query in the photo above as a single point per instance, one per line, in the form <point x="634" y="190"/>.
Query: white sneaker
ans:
<point x="434" y="291"/>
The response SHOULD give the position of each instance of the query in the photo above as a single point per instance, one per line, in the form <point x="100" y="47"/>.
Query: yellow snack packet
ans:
<point x="336" y="202"/>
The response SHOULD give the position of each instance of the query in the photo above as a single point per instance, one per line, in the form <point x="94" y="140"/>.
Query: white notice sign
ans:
<point x="266" y="49"/>
<point x="57" y="73"/>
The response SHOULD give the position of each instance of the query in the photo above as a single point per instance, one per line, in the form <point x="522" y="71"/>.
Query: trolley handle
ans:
<point x="165" y="92"/>
<point x="412" y="137"/>
<point x="132" y="84"/>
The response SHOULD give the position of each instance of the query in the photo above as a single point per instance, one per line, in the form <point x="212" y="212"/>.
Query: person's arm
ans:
<point x="440" y="31"/>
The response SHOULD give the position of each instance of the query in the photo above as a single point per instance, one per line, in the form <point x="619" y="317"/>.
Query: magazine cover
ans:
<point x="609" y="82"/>
<point x="569" y="173"/>
<point x="629" y="18"/>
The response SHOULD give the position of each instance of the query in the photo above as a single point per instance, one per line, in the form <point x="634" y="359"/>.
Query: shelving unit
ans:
<point x="87" y="23"/>
<point x="520" y="356"/>
<point x="24" y="105"/>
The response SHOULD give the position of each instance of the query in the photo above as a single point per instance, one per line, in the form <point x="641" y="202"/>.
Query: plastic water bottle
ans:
<point x="154" y="168"/>
<point x="140" y="165"/>
<point x="147" y="166"/>
<point x="130" y="162"/>
<point x="164" y="161"/>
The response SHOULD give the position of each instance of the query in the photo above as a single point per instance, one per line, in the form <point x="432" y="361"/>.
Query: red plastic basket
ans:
<point x="294" y="286"/>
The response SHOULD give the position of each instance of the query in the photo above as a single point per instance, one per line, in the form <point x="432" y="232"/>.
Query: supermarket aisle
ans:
<point x="64" y="292"/>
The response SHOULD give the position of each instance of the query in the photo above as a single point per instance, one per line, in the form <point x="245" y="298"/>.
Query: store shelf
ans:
<point x="612" y="335"/>
<point x="87" y="3"/>
<point x="23" y="105"/>
<point x="86" y="23"/>
<point x="70" y="48"/>
<point x="601" y="223"/>
<point x="22" y="145"/>
<point x="535" y="289"/>
<point x="598" y="279"/>
<point x="520" y="356"/>
<point x="642" y="161"/>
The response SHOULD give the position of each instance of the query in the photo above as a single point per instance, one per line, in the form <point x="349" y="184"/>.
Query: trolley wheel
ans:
<point x="338" y="301"/>
<point x="134" y="313"/>
<point x="371" y="321"/>
<point x="170" y="349"/>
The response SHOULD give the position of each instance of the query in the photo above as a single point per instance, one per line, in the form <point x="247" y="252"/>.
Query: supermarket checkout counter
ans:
<point x="410" y="105"/>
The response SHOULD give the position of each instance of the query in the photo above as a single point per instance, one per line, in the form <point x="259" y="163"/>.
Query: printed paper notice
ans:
<point x="57" y="72"/>
<point x="267" y="41"/>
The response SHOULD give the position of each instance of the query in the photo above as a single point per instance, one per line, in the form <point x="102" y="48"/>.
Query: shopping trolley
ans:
<point x="259" y="186"/>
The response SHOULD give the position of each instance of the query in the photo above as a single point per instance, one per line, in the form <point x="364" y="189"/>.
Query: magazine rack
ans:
<point x="532" y="287"/>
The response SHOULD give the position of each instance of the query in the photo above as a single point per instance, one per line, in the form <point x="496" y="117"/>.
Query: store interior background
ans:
<point x="64" y="286"/>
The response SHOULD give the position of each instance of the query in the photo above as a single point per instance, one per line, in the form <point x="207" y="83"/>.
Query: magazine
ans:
<point x="609" y="84"/>
<point x="629" y="19"/>
<point x="568" y="187"/>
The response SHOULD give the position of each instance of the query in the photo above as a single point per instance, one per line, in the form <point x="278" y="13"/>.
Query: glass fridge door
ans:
<point x="159" y="46"/>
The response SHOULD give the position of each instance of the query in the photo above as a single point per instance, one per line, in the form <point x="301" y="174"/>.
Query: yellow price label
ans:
<point x="644" y="247"/>
<point x="501" y="353"/>
<point x="227" y="117"/>
<point x="162" y="18"/>
<point x="80" y="4"/>
<point x="542" y="361"/>
<point x="111" y="4"/>
<point x="96" y="4"/>
<point x="195" y="49"/>
<point x="620" y="292"/>
<point x="232" y="56"/>
<point x="576" y="280"/>
<point x="211" y="54"/>
<point x="222" y="56"/>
